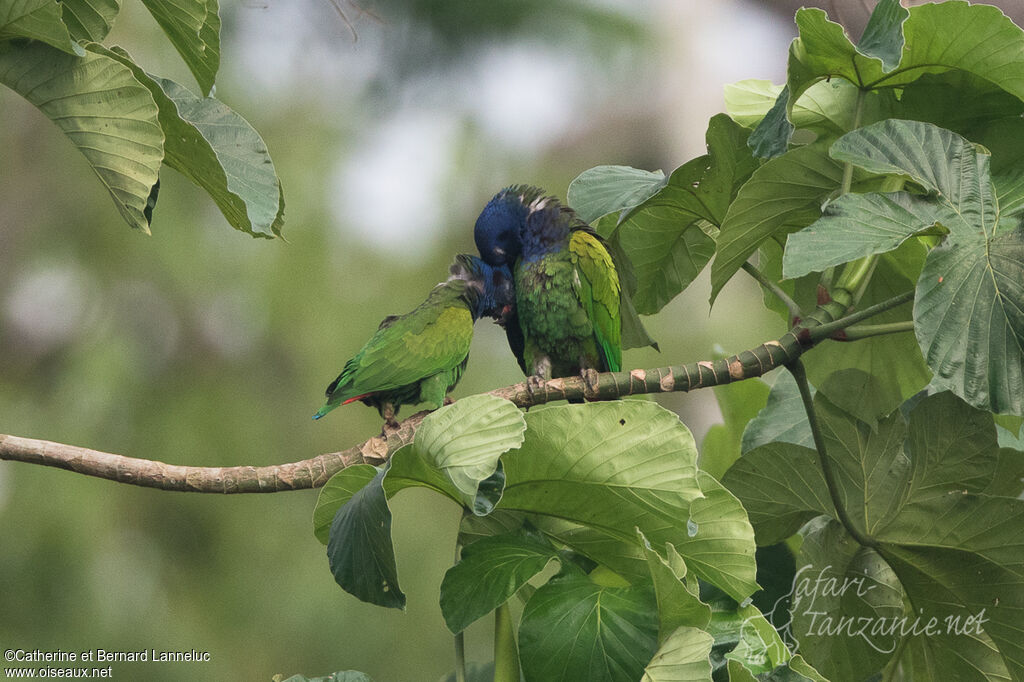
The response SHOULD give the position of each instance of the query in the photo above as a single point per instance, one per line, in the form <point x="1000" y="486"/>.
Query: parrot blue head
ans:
<point x="493" y="294"/>
<point x="498" y="229"/>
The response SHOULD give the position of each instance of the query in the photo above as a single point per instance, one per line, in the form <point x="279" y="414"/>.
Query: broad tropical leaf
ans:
<point x="193" y="27"/>
<point x="99" y="104"/>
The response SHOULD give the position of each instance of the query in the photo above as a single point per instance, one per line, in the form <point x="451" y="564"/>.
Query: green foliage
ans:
<point x="129" y="124"/>
<point x="899" y="504"/>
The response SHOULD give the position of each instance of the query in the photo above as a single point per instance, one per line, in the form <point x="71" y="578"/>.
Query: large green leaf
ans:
<point x="216" y="149"/>
<point x="954" y="551"/>
<point x="607" y="189"/>
<point x="856" y="225"/>
<point x="969" y="306"/>
<point x="743" y="635"/>
<point x="618" y="466"/>
<point x="359" y="549"/>
<point x="969" y="319"/>
<point x="457" y="447"/>
<point x="573" y="629"/>
<point x="338" y="490"/>
<point x="341" y="676"/>
<point x="667" y="236"/>
<point x="90" y="19"/>
<point x="193" y="27"/>
<point x="782" y="488"/>
<point x="37" y="20"/>
<point x="682" y="657"/>
<point x="782" y="196"/>
<point x="489" y="573"/>
<point x="109" y="116"/>
<point x="840" y="587"/>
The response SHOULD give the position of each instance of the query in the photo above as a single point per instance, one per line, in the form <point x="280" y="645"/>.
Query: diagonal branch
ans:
<point x="313" y="473"/>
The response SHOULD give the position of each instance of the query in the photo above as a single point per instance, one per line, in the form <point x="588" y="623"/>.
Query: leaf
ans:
<point x="937" y="159"/>
<point x="954" y="551"/>
<point x="883" y="36"/>
<point x="573" y="629"/>
<point x="856" y="225"/>
<point x="682" y="657"/>
<point x="217" y="150"/>
<point x="677" y="606"/>
<point x="719" y="544"/>
<point x="772" y="135"/>
<point x="499" y="522"/>
<point x="607" y="189"/>
<point x="827" y="108"/>
<point x="489" y="573"/>
<point x="359" y="549"/>
<point x="969" y="319"/>
<point x="90" y="19"/>
<point x="614" y="466"/>
<point x="37" y="20"/>
<point x="782" y="419"/>
<point x="841" y="588"/>
<point x="781" y="196"/>
<point x="745" y="636"/>
<point x="338" y="490"/>
<point x="624" y="558"/>
<point x="781" y="487"/>
<point x="663" y="240"/>
<point x="193" y="27"/>
<point x="618" y="466"/>
<point x="103" y="109"/>
<point x="456" y="448"/>
<point x="666" y="237"/>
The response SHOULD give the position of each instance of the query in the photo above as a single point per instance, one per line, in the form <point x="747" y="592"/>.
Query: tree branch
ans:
<point x="313" y="473"/>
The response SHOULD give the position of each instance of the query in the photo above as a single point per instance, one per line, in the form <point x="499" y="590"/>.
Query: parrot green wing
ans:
<point x="597" y="288"/>
<point x="413" y="347"/>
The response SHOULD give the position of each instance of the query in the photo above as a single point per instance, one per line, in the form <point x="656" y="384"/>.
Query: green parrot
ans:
<point x="420" y="356"/>
<point x="569" y="298"/>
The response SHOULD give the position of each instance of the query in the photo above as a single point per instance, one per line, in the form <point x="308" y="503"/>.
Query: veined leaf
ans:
<point x="359" y="550"/>
<point x="782" y="419"/>
<point x="489" y="573"/>
<point x="837" y="582"/>
<point x="677" y="605"/>
<point x="606" y="189"/>
<point x="969" y="305"/>
<point x="782" y="196"/>
<point x="456" y="448"/>
<point x="958" y="554"/>
<point x="338" y="490"/>
<point x="103" y="109"/>
<point x="216" y="149"/>
<point x="90" y="19"/>
<point x="573" y="629"/>
<point x="37" y="20"/>
<point x="618" y="466"/>
<point x="193" y="27"/>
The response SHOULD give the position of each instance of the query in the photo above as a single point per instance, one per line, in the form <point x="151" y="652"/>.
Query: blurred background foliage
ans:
<point x="199" y="345"/>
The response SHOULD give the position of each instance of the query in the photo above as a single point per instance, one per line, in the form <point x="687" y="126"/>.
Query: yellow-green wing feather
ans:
<point x="598" y="292"/>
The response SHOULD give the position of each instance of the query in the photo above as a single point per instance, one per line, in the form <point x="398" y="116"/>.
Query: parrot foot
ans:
<point x="535" y="385"/>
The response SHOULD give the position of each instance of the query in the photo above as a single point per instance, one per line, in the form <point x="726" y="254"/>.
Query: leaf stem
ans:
<point x="506" y="654"/>
<point x="796" y="368"/>
<point x="794" y="309"/>
<point x="823" y="331"/>
<point x="460" y="637"/>
<point x="847" y="183"/>
<point x="868" y="330"/>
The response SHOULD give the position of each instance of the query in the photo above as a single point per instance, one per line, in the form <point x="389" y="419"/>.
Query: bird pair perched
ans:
<point x="543" y="274"/>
